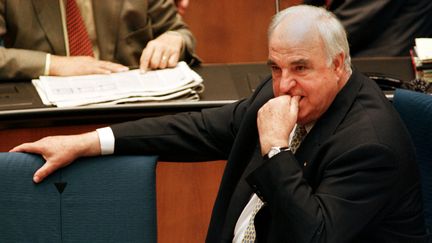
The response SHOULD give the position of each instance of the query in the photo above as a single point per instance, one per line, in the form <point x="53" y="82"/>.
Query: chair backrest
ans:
<point x="415" y="110"/>
<point x="99" y="199"/>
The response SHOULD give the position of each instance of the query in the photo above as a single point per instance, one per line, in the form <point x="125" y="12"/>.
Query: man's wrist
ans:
<point x="275" y="150"/>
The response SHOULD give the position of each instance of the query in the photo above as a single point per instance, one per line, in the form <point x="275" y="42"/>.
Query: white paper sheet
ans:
<point x="156" y="85"/>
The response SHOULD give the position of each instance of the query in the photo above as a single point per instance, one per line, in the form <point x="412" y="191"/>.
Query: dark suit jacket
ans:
<point x="33" y="28"/>
<point x="384" y="27"/>
<point x="353" y="179"/>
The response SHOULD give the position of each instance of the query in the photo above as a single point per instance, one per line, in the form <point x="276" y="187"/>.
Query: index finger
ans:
<point x="294" y="103"/>
<point x="145" y="57"/>
<point x="26" y="147"/>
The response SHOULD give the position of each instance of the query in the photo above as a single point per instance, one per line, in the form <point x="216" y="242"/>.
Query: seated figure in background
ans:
<point x="39" y="37"/>
<point x="384" y="27"/>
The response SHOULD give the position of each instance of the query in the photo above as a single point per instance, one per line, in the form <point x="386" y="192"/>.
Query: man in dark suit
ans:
<point x="149" y="34"/>
<point x="384" y="27"/>
<point x="352" y="179"/>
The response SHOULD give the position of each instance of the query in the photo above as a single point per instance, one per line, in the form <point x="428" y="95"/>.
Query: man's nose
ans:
<point x="286" y="84"/>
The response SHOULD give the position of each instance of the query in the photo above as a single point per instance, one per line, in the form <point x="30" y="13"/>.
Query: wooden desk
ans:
<point x="184" y="210"/>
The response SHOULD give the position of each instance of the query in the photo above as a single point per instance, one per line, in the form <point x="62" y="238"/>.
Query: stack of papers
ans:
<point x="422" y="58"/>
<point x="179" y="83"/>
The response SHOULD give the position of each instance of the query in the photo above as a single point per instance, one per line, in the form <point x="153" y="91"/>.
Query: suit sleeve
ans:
<point x="17" y="63"/>
<point x="164" y="17"/>
<point x="191" y="136"/>
<point x="353" y="187"/>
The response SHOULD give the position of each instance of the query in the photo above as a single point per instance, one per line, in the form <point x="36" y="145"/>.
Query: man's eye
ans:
<point x="275" y="68"/>
<point x="300" y="68"/>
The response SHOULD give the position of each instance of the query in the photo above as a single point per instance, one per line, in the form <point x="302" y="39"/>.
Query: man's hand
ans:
<point x="60" y="151"/>
<point x="276" y="119"/>
<point x="82" y="65"/>
<point x="181" y="6"/>
<point x="162" y="52"/>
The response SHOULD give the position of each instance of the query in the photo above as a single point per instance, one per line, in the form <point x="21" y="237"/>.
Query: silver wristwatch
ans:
<point x="275" y="150"/>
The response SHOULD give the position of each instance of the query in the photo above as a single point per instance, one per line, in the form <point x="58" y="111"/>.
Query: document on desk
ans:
<point x="179" y="83"/>
<point x="423" y="47"/>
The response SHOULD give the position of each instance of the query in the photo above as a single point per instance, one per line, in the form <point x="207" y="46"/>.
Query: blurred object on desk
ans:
<point x="421" y="56"/>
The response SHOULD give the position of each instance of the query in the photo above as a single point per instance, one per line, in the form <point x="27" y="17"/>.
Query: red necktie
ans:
<point x="79" y="40"/>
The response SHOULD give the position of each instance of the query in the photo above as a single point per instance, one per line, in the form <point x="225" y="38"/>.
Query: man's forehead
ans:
<point x="295" y="28"/>
<point x="295" y="48"/>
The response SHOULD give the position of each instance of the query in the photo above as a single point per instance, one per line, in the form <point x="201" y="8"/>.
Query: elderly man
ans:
<point x="316" y="154"/>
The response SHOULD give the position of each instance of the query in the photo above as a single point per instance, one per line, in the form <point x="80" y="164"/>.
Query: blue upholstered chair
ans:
<point x="416" y="111"/>
<point x="99" y="199"/>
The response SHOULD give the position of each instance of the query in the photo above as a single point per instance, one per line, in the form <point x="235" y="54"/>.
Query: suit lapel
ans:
<point x="243" y="191"/>
<point x="232" y="188"/>
<point x="326" y="126"/>
<point x="49" y="16"/>
<point x="106" y="20"/>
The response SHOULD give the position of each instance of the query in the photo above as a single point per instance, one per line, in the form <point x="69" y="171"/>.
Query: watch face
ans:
<point x="275" y="150"/>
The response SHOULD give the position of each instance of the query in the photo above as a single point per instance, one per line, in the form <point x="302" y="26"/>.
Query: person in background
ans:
<point x="384" y="27"/>
<point x="315" y="154"/>
<point x="39" y="37"/>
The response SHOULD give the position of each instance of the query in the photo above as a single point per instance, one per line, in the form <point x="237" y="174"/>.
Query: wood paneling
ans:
<point x="186" y="194"/>
<point x="232" y="31"/>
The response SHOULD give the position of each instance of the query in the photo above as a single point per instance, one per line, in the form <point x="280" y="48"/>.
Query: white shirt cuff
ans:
<point x="106" y="140"/>
<point x="47" y="64"/>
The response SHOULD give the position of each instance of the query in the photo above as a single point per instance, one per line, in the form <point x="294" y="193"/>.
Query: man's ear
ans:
<point x="339" y="63"/>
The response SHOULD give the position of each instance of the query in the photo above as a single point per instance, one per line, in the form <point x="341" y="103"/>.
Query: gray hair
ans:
<point x="329" y="28"/>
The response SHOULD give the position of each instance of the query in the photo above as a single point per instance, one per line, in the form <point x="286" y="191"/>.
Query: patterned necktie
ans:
<point x="249" y="237"/>
<point x="79" y="40"/>
<point x="299" y="133"/>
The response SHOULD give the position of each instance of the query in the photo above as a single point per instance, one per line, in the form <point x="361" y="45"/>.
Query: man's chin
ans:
<point x="303" y="119"/>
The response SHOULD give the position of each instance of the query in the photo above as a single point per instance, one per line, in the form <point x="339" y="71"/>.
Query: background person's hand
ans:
<point x="276" y="119"/>
<point x="162" y="52"/>
<point x="181" y="6"/>
<point x="60" y="151"/>
<point x="82" y="65"/>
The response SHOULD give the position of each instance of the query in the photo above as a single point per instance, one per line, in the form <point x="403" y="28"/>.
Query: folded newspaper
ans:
<point x="179" y="83"/>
